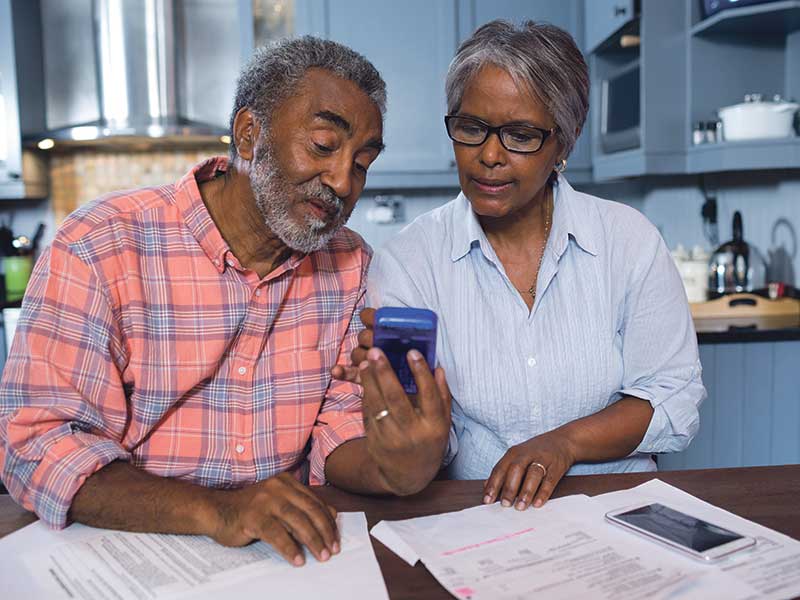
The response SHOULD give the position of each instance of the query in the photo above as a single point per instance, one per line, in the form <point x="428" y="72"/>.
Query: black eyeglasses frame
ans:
<point x="546" y="133"/>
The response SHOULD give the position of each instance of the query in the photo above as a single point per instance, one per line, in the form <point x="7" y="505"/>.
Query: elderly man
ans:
<point x="171" y="370"/>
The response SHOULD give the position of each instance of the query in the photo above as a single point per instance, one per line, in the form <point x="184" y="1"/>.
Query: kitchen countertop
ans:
<point x="739" y="336"/>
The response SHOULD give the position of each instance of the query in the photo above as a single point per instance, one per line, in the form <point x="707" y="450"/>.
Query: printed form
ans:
<point x="567" y="550"/>
<point x="94" y="564"/>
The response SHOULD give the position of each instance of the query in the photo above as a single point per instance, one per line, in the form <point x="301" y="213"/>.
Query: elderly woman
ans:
<point x="564" y="330"/>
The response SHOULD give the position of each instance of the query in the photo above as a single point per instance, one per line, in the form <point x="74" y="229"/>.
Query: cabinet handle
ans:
<point x="619" y="11"/>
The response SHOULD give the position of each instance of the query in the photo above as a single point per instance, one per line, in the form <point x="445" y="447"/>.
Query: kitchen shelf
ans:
<point x="771" y="18"/>
<point x="783" y="153"/>
<point x="635" y="163"/>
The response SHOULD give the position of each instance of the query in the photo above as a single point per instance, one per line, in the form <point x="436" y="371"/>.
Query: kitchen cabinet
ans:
<point x="639" y="92"/>
<point x="604" y="18"/>
<point x="745" y="50"/>
<point x="412" y="43"/>
<point x="22" y="173"/>
<point x="752" y="413"/>
<point x="690" y="67"/>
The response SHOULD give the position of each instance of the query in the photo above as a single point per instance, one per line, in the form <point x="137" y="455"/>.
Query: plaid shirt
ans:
<point x="142" y="338"/>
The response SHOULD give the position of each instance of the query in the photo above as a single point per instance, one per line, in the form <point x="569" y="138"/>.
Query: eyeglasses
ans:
<point x="524" y="139"/>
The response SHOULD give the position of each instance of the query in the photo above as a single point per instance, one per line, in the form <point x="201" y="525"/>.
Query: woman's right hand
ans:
<point x="352" y="373"/>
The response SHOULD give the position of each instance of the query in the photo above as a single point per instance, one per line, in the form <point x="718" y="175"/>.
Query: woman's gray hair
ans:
<point x="539" y="57"/>
<point x="274" y="72"/>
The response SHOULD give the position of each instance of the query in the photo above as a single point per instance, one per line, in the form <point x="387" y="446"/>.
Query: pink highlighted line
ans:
<point x="487" y="542"/>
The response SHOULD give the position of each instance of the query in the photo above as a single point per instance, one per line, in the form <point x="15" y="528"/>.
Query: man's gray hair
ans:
<point x="539" y="57"/>
<point x="274" y="72"/>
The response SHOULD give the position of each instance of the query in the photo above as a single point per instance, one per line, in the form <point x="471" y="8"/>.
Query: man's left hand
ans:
<point x="406" y="442"/>
<point x="529" y="472"/>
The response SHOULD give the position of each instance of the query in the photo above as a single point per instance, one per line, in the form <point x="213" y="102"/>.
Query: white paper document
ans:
<point x="567" y="550"/>
<point x="94" y="564"/>
<point x="771" y="569"/>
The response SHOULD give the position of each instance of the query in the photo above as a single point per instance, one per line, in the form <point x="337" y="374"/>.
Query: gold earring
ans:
<point x="561" y="165"/>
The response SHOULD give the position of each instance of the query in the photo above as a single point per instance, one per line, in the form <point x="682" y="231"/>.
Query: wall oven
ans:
<point x="620" y="109"/>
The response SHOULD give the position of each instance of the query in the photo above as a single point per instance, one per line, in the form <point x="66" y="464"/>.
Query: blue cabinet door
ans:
<point x="567" y="15"/>
<point x="603" y="18"/>
<point x="752" y="414"/>
<point x="411" y="43"/>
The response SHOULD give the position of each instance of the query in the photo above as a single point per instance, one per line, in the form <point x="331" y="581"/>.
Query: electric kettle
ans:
<point x="736" y="266"/>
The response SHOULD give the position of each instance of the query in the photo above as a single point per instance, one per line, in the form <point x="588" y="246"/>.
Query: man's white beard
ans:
<point x="273" y="194"/>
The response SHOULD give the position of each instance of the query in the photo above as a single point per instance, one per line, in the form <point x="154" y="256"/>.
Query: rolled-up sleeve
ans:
<point x="62" y="402"/>
<point x="659" y="351"/>
<point x="340" y="418"/>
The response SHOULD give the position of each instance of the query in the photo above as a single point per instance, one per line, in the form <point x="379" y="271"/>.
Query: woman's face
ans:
<point x="498" y="182"/>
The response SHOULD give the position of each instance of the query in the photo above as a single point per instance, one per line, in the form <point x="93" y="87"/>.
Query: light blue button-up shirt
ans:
<point x="610" y="319"/>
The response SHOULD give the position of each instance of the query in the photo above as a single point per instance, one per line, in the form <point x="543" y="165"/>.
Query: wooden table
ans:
<point x="767" y="495"/>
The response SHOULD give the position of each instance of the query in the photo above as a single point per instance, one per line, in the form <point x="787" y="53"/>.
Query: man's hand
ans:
<point x="278" y="510"/>
<point x="528" y="472"/>
<point x="283" y="513"/>
<point x="406" y="442"/>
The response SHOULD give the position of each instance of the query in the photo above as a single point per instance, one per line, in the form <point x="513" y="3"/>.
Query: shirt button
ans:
<point x="216" y="261"/>
<point x="239" y="448"/>
<point x="230" y="262"/>
<point x="242" y="370"/>
<point x="531" y="362"/>
<point x="258" y="292"/>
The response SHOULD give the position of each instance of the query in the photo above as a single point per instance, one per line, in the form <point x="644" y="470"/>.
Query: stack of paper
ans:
<point x="87" y="563"/>
<point x="567" y="550"/>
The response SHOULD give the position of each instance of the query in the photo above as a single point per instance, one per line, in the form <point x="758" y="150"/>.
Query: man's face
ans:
<point x="310" y="167"/>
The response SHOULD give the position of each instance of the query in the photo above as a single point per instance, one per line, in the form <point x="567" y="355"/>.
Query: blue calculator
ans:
<point x="397" y="330"/>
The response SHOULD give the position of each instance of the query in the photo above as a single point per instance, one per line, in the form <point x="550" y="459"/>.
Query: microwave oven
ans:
<point x="712" y="7"/>
<point x="620" y="109"/>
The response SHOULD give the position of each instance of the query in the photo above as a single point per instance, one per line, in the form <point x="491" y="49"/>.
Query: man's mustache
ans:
<point x="322" y="194"/>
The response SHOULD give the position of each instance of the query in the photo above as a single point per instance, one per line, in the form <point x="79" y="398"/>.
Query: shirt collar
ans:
<point x="466" y="228"/>
<point x="198" y="219"/>
<point x="194" y="211"/>
<point x="573" y="217"/>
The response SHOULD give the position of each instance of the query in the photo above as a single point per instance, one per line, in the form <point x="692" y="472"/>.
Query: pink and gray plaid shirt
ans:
<point x="142" y="338"/>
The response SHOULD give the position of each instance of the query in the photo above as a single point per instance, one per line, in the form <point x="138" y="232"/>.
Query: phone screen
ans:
<point x="396" y="350"/>
<point x="678" y="527"/>
<point x="398" y="330"/>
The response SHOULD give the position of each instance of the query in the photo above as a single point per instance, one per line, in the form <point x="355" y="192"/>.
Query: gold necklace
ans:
<point x="548" y="215"/>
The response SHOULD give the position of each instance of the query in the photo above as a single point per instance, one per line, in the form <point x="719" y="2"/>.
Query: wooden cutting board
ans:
<point x="745" y="311"/>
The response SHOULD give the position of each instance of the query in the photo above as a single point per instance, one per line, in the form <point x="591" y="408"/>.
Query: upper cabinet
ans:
<point x="412" y="43"/>
<point x="737" y="52"/>
<point x="639" y="122"/>
<point x="22" y="172"/>
<point x="670" y="70"/>
<point x="604" y="18"/>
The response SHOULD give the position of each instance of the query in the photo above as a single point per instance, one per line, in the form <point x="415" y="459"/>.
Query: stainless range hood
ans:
<point x="129" y="72"/>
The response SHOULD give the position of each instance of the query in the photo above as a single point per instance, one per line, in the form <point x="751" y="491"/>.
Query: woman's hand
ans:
<point x="528" y="473"/>
<point x="351" y="373"/>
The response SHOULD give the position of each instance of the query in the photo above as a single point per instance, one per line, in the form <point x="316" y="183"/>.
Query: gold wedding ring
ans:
<point x="541" y="466"/>
<point x="382" y="414"/>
